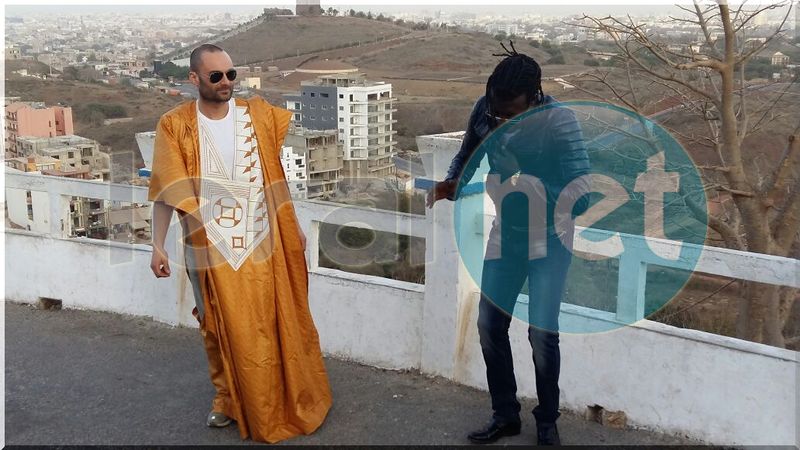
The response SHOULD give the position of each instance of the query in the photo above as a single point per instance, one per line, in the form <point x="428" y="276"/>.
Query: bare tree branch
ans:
<point x="788" y="163"/>
<point x="703" y="22"/>
<point x="787" y="224"/>
<point x="772" y="106"/>
<point x="746" y="56"/>
<point x="615" y="32"/>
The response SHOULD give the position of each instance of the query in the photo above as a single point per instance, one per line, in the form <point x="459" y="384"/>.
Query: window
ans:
<point x="341" y="108"/>
<point x="313" y="94"/>
<point x="297" y="117"/>
<point x="324" y="106"/>
<point x="297" y="105"/>
<point x="313" y="106"/>
<point x="323" y="95"/>
<point x="298" y="161"/>
<point x="341" y="95"/>
<point x="312" y="118"/>
<point x="341" y="119"/>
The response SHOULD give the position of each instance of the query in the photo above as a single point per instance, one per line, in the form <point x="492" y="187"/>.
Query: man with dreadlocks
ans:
<point x="546" y="146"/>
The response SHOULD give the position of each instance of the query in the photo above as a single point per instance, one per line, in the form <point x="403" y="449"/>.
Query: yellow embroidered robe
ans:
<point x="258" y="313"/>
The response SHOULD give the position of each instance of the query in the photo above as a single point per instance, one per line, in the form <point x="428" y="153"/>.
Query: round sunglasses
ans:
<point x="215" y="76"/>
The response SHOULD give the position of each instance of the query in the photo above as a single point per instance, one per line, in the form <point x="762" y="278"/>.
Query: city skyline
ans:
<point x="545" y="10"/>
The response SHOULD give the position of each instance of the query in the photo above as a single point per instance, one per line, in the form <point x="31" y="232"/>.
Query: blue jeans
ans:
<point x="500" y="286"/>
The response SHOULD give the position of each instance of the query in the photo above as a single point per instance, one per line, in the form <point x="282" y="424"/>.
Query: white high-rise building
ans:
<point x="294" y="166"/>
<point x="361" y="111"/>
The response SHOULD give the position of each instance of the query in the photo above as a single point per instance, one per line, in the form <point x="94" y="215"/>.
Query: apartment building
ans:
<point x="321" y="153"/>
<point x="360" y="110"/>
<point x="37" y="120"/>
<point x="294" y="168"/>
<point x="33" y="163"/>
<point x="779" y="59"/>
<point x="75" y="153"/>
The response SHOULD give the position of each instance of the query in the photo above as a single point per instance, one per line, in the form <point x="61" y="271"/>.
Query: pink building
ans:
<point x="34" y="119"/>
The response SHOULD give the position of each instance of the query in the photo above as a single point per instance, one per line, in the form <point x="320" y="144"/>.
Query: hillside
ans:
<point x="145" y="107"/>
<point x="283" y="37"/>
<point x="442" y="54"/>
<point x="32" y="67"/>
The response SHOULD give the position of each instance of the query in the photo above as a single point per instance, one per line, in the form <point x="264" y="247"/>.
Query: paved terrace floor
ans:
<point x="80" y="378"/>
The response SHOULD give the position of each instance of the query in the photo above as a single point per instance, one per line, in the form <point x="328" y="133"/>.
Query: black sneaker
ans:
<point x="547" y="434"/>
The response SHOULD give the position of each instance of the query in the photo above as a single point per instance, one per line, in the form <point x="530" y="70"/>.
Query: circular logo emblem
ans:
<point x="580" y="217"/>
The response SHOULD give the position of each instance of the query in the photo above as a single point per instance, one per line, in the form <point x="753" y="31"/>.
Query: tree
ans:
<point x="763" y="211"/>
<point x="557" y="59"/>
<point x="500" y="36"/>
<point x="70" y="73"/>
<point x="591" y="62"/>
<point x="169" y="69"/>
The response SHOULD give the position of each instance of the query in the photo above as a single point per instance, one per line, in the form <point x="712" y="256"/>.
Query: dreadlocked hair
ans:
<point x="517" y="74"/>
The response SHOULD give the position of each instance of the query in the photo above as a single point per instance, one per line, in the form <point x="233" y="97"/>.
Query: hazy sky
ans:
<point x="566" y="8"/>
<point x="550" y="10"/>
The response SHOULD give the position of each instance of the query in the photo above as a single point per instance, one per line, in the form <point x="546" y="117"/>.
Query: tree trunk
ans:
<point x="773" y="329"/>
<point x="789" y="312"/>
<point x="743" y="317"/>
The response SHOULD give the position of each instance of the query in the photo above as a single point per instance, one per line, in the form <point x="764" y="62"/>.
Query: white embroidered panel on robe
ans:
<point x="234" y="211"/>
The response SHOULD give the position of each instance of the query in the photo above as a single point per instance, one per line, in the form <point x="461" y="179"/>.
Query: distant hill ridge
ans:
<point x="282" y="37"/>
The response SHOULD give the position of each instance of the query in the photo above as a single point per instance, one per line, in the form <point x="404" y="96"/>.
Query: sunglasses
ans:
<point x="501" y="120"/>
<point x="216" y="76"/>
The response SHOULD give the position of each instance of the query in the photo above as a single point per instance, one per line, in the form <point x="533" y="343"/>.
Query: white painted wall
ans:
<point x="17" y="207"/>
<point x="146" y="142"/>
<point x="716" y="389"/>
<point x="362" y="318"/>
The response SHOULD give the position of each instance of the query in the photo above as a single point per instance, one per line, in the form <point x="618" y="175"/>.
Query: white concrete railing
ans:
<point x="668" y="379"/>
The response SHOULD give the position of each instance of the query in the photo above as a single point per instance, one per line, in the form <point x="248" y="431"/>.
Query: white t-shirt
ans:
<point x="223" y="133"/>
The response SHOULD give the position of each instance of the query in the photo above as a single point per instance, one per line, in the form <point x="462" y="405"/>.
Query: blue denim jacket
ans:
<point x="553" y="150"/>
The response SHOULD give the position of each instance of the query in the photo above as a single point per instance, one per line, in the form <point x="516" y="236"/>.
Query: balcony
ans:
<point x="711" y="388"/>
<point x="378" y="168"/>
<point x="381" y="145"/>
<point x="381" y="133"/>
